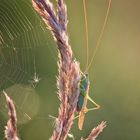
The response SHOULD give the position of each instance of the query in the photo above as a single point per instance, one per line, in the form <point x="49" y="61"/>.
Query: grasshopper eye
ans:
<point x="86" y="74"/>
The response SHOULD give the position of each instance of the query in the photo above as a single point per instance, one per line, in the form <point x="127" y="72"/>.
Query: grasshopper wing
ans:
<point x="81" y="120"/>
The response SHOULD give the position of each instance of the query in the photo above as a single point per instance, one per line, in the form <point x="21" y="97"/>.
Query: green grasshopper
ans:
<point x="84" y="82"/>
<point x="82" y="100"/>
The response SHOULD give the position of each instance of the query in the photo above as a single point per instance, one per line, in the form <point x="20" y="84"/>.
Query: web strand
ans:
<point x="20" y="37"/>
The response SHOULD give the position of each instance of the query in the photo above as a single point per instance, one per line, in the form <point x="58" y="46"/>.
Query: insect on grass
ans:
<point x="84" y="82"/>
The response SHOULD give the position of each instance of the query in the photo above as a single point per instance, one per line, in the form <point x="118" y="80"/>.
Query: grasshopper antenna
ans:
<point x="101" y="33"/>
<point x="86" y="32"/>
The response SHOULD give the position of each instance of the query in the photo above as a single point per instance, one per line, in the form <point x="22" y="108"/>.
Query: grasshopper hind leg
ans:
<point x="93" y="102"/>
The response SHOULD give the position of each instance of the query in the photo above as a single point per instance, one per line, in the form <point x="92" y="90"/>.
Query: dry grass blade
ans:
<point x="11" y="128"/>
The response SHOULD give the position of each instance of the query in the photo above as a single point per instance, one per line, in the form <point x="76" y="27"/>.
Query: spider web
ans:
<point x="21" y="35"/>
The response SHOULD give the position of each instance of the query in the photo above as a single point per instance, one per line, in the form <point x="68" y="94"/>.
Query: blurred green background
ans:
<point x="27" y="47"/>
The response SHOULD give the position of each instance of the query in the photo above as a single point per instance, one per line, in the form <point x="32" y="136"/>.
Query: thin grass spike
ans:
<point x="11" y="128"/>
<point x="96" y="131"/>
<point x="69" y="70"/>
